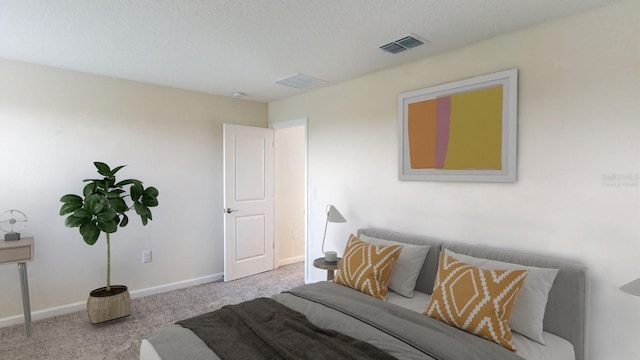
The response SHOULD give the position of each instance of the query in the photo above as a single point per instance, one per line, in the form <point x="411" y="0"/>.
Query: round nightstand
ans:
<point x="320" y="263"/>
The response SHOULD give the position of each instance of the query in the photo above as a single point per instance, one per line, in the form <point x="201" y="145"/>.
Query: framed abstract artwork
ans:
<point x="465" y="130"/>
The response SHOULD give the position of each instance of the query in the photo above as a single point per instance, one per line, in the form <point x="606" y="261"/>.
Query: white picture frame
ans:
<point x="507" y="80"/>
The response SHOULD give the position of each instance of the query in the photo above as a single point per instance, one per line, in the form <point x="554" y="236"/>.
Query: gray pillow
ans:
<point x="407" y="268"/>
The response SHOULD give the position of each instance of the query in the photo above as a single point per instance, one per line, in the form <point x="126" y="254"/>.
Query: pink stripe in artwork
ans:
<point x="443" y="121"/>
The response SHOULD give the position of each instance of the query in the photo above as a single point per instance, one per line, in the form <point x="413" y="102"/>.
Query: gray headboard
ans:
<point x="566" y="310"/>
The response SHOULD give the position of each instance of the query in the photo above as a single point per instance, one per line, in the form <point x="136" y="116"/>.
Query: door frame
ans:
<point x="282" y="125"/>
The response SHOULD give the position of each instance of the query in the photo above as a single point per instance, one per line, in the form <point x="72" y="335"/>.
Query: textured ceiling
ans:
<point x="227" y="46"/>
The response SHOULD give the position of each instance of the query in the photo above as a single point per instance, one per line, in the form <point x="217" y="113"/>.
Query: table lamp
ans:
<point x="334" y="216"/>
<point x="632" y="288"/>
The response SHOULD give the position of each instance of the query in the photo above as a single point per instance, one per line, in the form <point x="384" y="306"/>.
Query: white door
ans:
<point x="248" y="201"/>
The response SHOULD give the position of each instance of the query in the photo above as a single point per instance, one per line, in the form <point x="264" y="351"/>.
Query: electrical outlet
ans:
<point x="146" y="256"/>
<point x="294" y="234"/>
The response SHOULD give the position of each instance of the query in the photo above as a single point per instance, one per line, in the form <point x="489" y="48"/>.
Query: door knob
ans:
<point x="230" y="210"/>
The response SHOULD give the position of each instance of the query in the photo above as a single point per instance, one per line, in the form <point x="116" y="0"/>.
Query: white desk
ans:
<point x="20" y="251"/>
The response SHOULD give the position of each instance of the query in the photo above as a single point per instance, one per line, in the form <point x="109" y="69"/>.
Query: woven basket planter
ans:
<point x="104" y="306"/>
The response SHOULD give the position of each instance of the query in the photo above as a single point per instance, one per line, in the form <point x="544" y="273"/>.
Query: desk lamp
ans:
<point x="334" y="216"/>
<point x="632" y="288"/>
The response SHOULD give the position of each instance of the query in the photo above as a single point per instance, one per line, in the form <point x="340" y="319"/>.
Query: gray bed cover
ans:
<point x="400" y="332"/>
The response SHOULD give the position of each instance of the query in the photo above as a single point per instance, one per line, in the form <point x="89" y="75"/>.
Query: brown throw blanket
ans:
<point x="265" y="329"/>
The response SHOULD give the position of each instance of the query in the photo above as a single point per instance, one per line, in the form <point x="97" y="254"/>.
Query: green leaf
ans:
<point x="118" y="205"/>
<point x="68" y="208"/>
<point x="103" y="169"/>
<point x="141" y="209"/>
<point x="102" y="185"/>
<point x="124" y="221"/>
<point x="107" y="214"/>
<point x="90" y="232"/>
<point x="149" y="201"/>
<point x="94" y="203"/>
<point x="136" y="191"/>
<point x="89" y="189"/>
<point x="108" y="226"/>
<point x="75" y="221"/>
<point x="70" y="199"/>
<point x="151" y="191"/>
<point x="128" y="182"/>
<point x="146" y="218"/>
<point x="82" y="212"/>
<point x="115" y="192"/>
<point x="114" y="171"/>
<point x="111" y="194"/>
<point x="98" y="208"/>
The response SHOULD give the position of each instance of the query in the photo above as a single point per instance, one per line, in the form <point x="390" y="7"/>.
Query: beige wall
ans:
<point x="290" y="187"/>
<point x="55" y="123"/>
<point x="579" y="100"/>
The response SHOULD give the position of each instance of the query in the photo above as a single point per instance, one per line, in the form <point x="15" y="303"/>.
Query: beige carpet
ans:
<point x="72" y="337"/>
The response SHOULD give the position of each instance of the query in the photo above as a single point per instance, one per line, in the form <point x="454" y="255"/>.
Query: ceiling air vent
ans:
<point x="300" y="81"/>
<point x="404" y="43"/>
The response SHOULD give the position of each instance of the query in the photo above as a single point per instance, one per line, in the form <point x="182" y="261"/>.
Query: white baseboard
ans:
<point x="79" y="306"/>
<point x="292" y="260"/>
<point x="176" y="285"/>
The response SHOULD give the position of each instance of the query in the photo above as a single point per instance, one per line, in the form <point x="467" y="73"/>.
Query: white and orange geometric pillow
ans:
<point x="478" y="301"/>
<point x="366" y="267"/>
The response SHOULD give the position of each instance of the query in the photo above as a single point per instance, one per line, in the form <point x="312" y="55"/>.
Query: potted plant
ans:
<point x="103" y="208"/>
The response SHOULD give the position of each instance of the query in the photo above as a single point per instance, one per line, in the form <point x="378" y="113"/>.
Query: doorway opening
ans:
<point x="290" y="152"/>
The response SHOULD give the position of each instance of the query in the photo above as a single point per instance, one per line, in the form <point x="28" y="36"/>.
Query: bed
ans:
<point x="352" y="324"/>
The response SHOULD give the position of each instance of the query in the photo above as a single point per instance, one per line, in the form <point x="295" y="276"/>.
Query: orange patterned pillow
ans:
<point x="475" y="300"/>
<point x="366" y="267"/>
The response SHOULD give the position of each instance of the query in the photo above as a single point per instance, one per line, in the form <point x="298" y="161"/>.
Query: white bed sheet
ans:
<point x="557" y="348"/>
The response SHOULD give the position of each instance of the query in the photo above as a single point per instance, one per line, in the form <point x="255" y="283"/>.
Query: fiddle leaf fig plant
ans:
<point x="104" y="204"/>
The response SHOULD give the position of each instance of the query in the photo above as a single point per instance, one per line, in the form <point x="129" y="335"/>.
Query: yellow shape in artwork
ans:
<point x="475" y="134"/>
